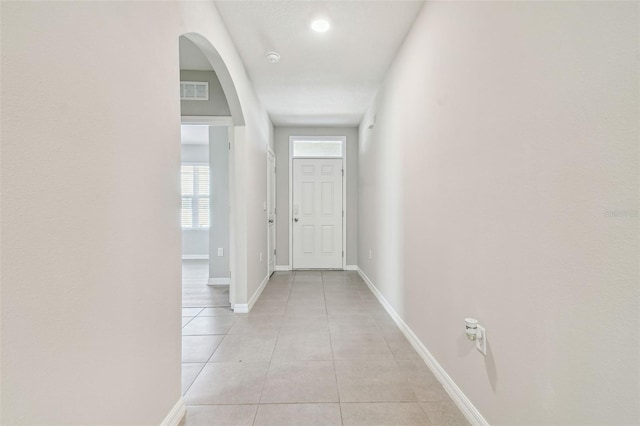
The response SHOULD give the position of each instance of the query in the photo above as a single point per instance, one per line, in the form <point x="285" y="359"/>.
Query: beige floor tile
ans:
<point x="216" y="312"/>
<point x="269" y="307"/>
<point x="245" y="347"/>
<point x="426" y="391"/>
<point x="274" y="296"/>
<point x="401" y="347"/>
<point x="228" y="383"/>
<point x="257" y="324"/>
<point x="306" y="308"/>
<point x="303" y="346"/>
<point x="220" y="415"/>
<point x="284" y="286"/>
<point x="199" y="348"/>
<point x="372" y="381"/>
<point x="283" y="275"/>
<point x="385" y="324"/>
<point x="372" y="308"/>
<point x="340" y="307"/>
<point x="444" y="413"/>
<point x="361" y="323"/>
<point x="304" y="299"/>
<point x="383" y="414"/>
<point x="300" y="381"/>
<point x="307" y="289"/>
<point x="209" y="325"/>
<point x="354" y="346"/>
<point x="332" y="294"/>
<point x="189" y="373"/>
<point x="191" y="312"/>
<point x="309" y="275"/>
<point x="305" y="323"/>
<point x="422" y="381"/>
<point x="298" y="415"/>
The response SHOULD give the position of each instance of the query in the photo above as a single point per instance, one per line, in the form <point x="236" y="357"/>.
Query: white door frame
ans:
<point x="274" y="185"/>
<point x="343" y="139"/>
<point x="226" y="122"/>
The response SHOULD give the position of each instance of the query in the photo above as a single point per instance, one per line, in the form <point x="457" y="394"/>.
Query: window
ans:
<point x="323" y="147"/>
<point x="195" y="196"/>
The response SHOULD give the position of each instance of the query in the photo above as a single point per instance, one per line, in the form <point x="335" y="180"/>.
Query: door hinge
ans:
<point x="274" y="252"/>
<point x="342" y="172"/>
<point x="342" y="253"/>
<point x="229" y="145"/>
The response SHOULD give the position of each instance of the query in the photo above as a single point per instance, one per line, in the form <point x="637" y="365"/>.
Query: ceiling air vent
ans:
<point x="194" y="91"/>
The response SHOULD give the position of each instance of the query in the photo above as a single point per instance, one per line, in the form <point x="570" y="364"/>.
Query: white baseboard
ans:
<point x="282" y="268"/>
<point x="219" y="281"/>
<point x="195" y="257"/>
<point x="351" y="268"/>
<point x="176" y="414"/>
<point x="241" y="308"/>
<point x="245" y="308"/>
<point x="464" y="404"/>
<point x="258" y="292"/>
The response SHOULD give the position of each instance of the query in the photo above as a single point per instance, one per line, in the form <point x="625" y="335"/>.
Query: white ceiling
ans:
<point x="322" y="79"/>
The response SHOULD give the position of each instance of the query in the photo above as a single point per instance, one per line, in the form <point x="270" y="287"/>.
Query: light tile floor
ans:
<point x="195" y="291"/>
<point x="317" y="349"/>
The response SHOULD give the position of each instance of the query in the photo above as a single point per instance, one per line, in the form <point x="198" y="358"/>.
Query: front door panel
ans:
<point x="317" y="213"/>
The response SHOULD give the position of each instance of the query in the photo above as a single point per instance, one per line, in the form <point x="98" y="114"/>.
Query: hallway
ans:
<point x="317" y="348"/>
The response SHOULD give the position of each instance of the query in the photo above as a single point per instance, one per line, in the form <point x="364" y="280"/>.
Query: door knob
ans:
<point x="270" y="220"/>
<point x="296" y="219"/>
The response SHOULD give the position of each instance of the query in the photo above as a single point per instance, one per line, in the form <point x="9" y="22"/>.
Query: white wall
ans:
<point x="501" y="182"/>
<point x="219" y="232"/>
<point x="281" y="140"/>
<point x="90" y="285"/>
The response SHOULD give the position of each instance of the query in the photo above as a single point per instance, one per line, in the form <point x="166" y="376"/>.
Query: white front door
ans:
<point x="271" y="210"/>
<point x="317" y="213"/>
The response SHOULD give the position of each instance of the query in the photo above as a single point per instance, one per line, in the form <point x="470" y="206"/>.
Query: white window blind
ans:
<point x="195" y="196"/>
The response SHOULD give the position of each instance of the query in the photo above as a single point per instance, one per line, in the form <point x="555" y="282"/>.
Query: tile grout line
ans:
<point x="333" y="357"/>
<point x="208" y="359"/>
<point x="194" y="379"/>
<point x="272" y="352"/>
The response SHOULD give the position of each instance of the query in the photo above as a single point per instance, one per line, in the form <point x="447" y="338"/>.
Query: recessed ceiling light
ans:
<point x="320" y="25"/>
<point x="273" y="57"/>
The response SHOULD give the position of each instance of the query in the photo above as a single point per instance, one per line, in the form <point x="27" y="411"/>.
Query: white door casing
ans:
<point x="271" y="210"/>
<point x="317" y="213"/>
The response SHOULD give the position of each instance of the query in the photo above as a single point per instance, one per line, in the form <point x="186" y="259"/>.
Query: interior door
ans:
<point x="317" y="213"/>
<point x="271" y="210"/>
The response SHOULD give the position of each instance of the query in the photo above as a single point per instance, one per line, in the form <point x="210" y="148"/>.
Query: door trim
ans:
<point x="343" y="139"/>
<point x="274" y="185"/>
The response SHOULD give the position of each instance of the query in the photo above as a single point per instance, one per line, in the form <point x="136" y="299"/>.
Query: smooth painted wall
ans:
<point x="281" y="140"/>
<point x="219" y="174"/>
<point x="216" y="105"/>
<point x="90" y="309"/>
<point x="500" y="182"/>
